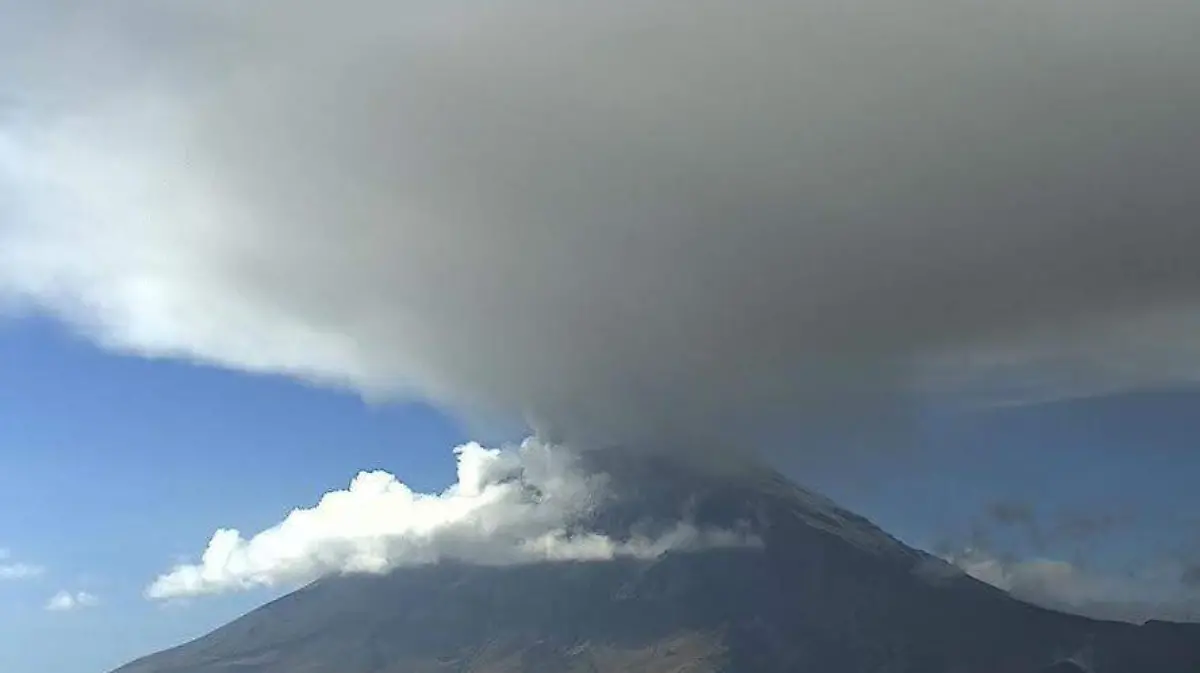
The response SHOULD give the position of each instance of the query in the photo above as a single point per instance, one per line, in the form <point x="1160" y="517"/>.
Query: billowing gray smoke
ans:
<point x="619" y="219"/>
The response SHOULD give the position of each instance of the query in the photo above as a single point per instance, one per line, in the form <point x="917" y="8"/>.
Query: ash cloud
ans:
<point x="1012" y="513"/>
<point x="1081" y="527"/>
<point x="1006" y="524"/>
<point x="616" y="220"/>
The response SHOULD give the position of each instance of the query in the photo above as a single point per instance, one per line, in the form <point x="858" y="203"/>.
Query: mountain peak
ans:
<point x="822" y="590"/>
<point x="646" y="490"/>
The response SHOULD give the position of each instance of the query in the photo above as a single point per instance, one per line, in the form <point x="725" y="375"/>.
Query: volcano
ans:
<point x="816" y="588"/>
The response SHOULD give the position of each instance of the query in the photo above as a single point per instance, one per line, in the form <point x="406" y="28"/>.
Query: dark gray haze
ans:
<point x="1191" y="575"/>
<point x="1012" y="513"/>
<point x="619" y="220"/>
<point x="1067" y="527"/>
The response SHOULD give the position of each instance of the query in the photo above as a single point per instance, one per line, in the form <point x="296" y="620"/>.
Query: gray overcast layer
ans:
<point x="619" y="219"/>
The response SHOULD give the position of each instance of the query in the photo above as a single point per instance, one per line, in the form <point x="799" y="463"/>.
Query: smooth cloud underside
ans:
<point x="618" y="219"/>
<point x="509" y="506"/>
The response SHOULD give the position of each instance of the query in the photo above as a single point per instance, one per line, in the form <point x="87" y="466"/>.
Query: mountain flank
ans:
<point x="821" y="589"/>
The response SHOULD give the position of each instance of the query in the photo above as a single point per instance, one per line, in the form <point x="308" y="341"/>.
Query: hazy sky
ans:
<point x="798" y="228"/>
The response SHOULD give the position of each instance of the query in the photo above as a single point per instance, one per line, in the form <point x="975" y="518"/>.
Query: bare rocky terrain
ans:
<point x="826" y="591"/>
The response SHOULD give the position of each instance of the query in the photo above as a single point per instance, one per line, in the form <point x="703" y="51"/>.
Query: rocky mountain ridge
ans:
<point x="822" y="589"/>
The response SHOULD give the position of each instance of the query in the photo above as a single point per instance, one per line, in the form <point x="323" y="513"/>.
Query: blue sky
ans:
<point x="113" y="468"/>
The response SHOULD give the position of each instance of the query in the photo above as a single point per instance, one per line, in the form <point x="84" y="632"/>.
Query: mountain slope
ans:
<point x="825" y="591"/>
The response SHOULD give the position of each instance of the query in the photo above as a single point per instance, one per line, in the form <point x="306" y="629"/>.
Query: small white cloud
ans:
<point x="65" y="601"/>
<point x="14" y="570"/>
<point x="20" y="571"/>
<point x="509" y="506"/>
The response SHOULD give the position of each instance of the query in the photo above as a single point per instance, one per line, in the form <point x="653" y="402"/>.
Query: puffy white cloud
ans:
<point x="65" y="601"/>
<point x="619" y="217"/>
<point x="1060" y="585"/>
<point x="15" y="570"/>
<point x="514" y="505"/>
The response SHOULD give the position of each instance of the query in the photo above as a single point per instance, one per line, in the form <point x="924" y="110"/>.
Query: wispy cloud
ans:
<point x="20" y="571"/>
<point x="15" y="570"/>
<point x="66" y="601"/>
<point x="515" y="505"/>
<point x="1156" y="593"/>
<point x="1044" y="532"/>
<point x="1012" y="513"/>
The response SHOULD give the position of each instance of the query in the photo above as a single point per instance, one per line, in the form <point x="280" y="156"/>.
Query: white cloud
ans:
<point x="14" y="570"/>
<point x="65" y="601"/>
<point x="19" y="571"/>
<point x="1060" y="585"/>
<point x="515" y="505"/>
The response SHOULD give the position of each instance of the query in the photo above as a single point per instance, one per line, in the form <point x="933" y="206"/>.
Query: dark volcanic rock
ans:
<point x="827" y="591"/>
